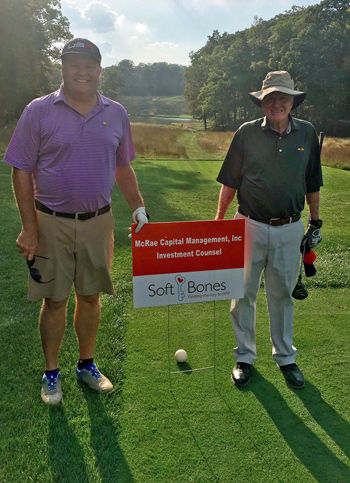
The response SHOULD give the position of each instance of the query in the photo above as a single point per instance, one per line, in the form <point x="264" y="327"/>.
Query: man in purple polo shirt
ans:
<point x="66" y="152"/>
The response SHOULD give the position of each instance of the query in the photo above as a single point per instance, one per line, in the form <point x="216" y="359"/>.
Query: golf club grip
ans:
<point x="321" y="140"/>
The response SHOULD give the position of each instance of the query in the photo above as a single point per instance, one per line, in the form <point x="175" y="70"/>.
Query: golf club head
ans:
<point x="299" y="292"/>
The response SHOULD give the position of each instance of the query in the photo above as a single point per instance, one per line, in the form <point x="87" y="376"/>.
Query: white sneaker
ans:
<point x="93" y="378"/>
<point x="51" y="388"/>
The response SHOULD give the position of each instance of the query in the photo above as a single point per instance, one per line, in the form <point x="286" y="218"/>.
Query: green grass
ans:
<point x="161" y="427"/>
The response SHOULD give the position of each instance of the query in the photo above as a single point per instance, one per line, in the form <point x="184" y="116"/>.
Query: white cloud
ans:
<point x="99" y="17"/>
<point x="105" y="47"/>
<point x="120" y="20"/>
<point x="163" y="30"/>
<point x="74" y="15"/>
<point x="142" y="28"/>
<point x="163" y="45"/>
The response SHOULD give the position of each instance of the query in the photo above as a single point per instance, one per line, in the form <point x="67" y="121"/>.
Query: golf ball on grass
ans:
<point x="181" y="355"/>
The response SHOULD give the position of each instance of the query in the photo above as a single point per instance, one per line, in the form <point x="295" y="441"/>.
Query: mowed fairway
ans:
<point x="195" y="426"/>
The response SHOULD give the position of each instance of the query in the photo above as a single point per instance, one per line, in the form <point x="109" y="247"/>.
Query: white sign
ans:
<point x="187" y="262"/>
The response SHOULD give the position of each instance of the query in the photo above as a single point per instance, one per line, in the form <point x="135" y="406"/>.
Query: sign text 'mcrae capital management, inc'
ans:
<point x="186" y="262"/>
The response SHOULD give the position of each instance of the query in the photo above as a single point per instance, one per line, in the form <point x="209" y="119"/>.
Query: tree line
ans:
<point x="157" y="79"/>
<point x="312" y="43"/>
<point x="31" y="33"/>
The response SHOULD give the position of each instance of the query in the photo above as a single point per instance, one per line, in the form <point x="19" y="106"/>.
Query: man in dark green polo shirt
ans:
<point x="273" y="165"/>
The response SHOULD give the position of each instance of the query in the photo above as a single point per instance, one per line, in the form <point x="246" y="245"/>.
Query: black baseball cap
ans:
<point x="82" y="46"/>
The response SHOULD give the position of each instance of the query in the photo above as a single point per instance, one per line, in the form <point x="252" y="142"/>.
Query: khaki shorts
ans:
<point x="77" y="252"/>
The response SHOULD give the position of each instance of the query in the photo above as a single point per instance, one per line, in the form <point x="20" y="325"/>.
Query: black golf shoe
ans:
<point x="241" y="374"/>
<point x="293" y="376"/>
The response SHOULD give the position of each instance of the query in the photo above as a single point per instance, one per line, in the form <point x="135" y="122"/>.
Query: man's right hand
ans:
<point x="27" y="243"/>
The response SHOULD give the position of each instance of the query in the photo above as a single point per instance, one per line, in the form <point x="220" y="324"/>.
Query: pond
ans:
<point x="161" y="120"/>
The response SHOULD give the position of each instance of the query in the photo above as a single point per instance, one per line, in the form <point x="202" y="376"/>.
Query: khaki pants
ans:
<point x="274" y="250"/>
<point x="77" y="252"/>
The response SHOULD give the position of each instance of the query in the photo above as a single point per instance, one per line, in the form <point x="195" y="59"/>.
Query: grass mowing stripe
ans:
<point x="262" y="436"/>
<point x="149" y="430"/>
<point x="275" y="429"/>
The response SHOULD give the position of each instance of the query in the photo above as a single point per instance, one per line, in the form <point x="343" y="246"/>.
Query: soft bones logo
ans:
<point x="192" y="288"/>
<point x="180" y="280"/>
<point x="169" y="289"/>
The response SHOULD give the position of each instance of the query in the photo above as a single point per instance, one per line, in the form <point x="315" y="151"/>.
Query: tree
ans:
<point x="169" y="79"/>
<point x="111" y="82"/>
<point x="196" y="77"/>
<point x="158" y="79"/>
<point x="320" y="55"/>
<point x="30" y="31"/>
<point x="127" y="68"/>
<point x="312" y="43"/>
<point x="217" y="79"/>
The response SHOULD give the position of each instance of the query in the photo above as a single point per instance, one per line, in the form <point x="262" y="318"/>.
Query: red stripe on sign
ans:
<point x="188" y="246"/>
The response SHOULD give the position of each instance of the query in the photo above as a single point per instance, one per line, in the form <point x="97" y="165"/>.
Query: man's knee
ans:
<point x="55" y="306"/>
<point x="88" y="299"/>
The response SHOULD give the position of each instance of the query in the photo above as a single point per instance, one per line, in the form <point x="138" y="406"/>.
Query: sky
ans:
<point x="148" y="31"/>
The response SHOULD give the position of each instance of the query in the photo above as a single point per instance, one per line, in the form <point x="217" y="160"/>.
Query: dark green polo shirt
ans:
<point x="272" y="172"/>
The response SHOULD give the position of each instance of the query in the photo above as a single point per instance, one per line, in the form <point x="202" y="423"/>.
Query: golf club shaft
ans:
<point x="301" y="264"/>
<point x="321" y="140"/>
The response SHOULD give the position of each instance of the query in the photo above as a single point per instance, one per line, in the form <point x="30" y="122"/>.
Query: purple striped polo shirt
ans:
<point x="73" y="158"/>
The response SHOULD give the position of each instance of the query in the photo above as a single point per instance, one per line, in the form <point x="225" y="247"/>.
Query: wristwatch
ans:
<point x="316" y="223"/>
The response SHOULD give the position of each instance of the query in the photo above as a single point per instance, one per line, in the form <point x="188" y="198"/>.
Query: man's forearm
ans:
<point x="313" y="202"/>
<point x="27" y="240"/>
<point x="24" y="193"/>
<point x="127" y="183"/>
<point x="225" y="199"/>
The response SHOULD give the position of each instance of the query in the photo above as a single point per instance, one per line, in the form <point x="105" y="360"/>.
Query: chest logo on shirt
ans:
<point x="300" y="149"/>
<point x="105" y="123"/>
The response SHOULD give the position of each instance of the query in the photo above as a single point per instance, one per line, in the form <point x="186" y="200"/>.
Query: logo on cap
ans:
<point x="81" y="46"/>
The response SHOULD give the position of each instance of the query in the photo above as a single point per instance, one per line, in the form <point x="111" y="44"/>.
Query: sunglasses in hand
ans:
<point x="34" y="272"/>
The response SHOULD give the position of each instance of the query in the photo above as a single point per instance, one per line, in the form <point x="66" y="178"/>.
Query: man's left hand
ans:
<point x="140" y="216"/>
<point x="313" y="234"/>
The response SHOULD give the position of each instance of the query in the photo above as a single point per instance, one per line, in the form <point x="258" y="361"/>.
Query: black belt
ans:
<point x="273" y="221"/>
<point x="78" y="216"/>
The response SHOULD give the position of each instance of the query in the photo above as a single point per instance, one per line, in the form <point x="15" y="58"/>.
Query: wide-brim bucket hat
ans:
<point x="278" y="81"/>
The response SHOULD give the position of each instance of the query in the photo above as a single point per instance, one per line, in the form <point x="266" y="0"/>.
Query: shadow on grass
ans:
<point x="194" y="438"/>
<point x="112" y="465"/>
<point x="67" y="459"/>
<point x="317" y="458"/>
<point x="182" y="368"/>
<point x="66" y="454"/>
<point x="327" y="417"/>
